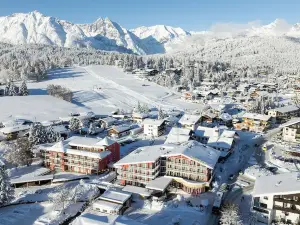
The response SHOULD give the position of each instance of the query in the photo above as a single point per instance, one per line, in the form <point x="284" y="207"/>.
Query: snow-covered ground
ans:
<point x="103" y="89"/>
<point x="36" y="108"/>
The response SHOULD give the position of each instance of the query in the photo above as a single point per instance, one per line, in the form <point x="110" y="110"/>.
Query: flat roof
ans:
<point x="117" y="196"/>
<point x="192" y="149"/>
<point x="31" y="179"/>
<point x="159" y="184"/>
<point x="153" y="122"/>
<point x="138" y="190"/>
<point x="281" y="184"/>
<point x="107" y="205"/>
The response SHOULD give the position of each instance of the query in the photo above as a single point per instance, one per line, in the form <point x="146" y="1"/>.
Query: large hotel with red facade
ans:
<point x="82" y="155"/>
<point x="188" y="166"/>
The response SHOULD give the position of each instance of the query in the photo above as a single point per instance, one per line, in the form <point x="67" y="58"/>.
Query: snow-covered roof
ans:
<point x="121" y="128"/>
<point x="60" y="129"/>
<point x="220" y="142"/>
<point x="286" y="109"/>
<point x="7" y="130"/>
<point x="63" y="146"/>
<point x="138" y="190"/>
<point x="225" y="117"/>
<point x="281" y="184"/>
<point x="159" y="184"/>
<point x="192" y="149"/>
<point x="291" y="122"/>
<point x="98" y="218"/>
<point x="256" y="116"/>
<point x="116" y="196"/>
<point x="140" y="115"/>
<point x="89" y="142"/>
<point x="189" y="119"/>
<point x="108" y="120"/>
<point x="31" y="179"/>
<point x="109" y="206"/>
<point x="178" y="135"/>
<point x="206" y="132"/>
<point x="153" y="122"/>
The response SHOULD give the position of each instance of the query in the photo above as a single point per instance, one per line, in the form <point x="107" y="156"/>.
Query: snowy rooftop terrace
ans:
<point x="281" y="184"/>
<point x="192" y="149"/>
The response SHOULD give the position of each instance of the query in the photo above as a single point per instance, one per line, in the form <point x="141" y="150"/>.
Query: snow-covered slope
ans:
<point x="104" y="34"/>
<point x="34" y="28"/>
<point x="158" y="38"/>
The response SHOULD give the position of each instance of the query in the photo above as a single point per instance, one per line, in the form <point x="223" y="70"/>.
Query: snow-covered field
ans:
<point x="36" y="108"/>
<point x="103" y="89"/>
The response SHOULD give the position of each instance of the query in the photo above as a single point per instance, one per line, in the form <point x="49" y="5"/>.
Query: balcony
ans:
<point x="287" y="209"/>
<point x="285" y="200"/>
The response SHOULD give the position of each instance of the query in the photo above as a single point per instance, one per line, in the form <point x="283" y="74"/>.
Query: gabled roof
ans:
<point x="121" y="128"/>
<point x="291" y="122"/>
<point x="257" y="116"/>
<point x="189" y="119"/>
<point x="286" y="109"/>
<point x="191" y="149"/>
<point x="106" y="142"/>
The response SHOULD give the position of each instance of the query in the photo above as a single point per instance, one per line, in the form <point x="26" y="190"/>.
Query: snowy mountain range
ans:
<point x="104" y="34"/>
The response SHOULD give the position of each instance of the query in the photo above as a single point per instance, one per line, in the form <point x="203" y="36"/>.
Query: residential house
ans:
<point x="284" y="113"/>
<point x="189" y="166"/>
<point x="220" y="139"/>
<point x="107" y="122"/>
<point x="82" y="155"/>
<point x="276" y="198"/>
<point x="254" y="122"/>
<point x="291" y="130"/>
<point x="139" y="117"/>
<point x="153" y="127"/>
<point x="119" y="131"/>
<point x="190" y="121"/>
<point x="14" y="131"/>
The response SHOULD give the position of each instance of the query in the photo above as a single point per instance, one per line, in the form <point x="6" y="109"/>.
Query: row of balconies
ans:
<point x="144" y="181"/>
<point x="186" y="171"/>
<point x="182" y="163"/>
<point x="134" y="167"/>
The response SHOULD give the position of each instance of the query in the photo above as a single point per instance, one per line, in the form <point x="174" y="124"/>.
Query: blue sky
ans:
<point x="189" y="14"/>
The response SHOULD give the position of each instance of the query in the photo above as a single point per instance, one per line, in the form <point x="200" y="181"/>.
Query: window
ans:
<point x="266" y="198"/>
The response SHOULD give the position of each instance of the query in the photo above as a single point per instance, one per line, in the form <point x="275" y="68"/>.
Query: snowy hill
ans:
<point x="103" y="34"/>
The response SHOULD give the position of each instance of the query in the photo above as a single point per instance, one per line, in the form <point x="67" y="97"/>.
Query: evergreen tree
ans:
<point x="23" y="89"/>
<point x="74" y="124"/>
<point x="92" y="128"/>
<point x="19" y="152"/>
<point x="230" y="215"/>
<point x="6" y="191"/>
<point x="52" y="136"/>
<point x="161" y="114"/>
<point x="38" y="134"/>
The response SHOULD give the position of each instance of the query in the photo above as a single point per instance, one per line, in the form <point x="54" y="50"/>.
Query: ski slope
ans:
<point x="103" y="89"/>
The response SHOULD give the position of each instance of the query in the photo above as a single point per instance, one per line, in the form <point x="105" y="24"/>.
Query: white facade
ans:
<point x="154" y="128"/>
